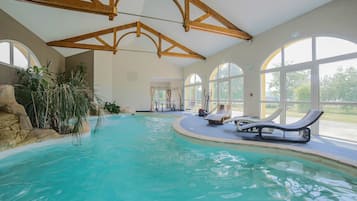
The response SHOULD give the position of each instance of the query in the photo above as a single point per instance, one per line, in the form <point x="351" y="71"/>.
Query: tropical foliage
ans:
<point x="341" y="87"/>
<point x="112" y="107"/>
<point x="60" y="102"/>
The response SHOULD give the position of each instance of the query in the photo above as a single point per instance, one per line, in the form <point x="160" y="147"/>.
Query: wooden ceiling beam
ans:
<point x="227" y="28"/>
<point x="75" y="42"/>
<point x="93" y="6"/>
<point x="79" y="45"/>
<point x="220" y="30"/>
<point x="202" y="18"/>
<point x="170" y="48"/>
<point x="199" y="4"/>
<point x="180" y="9"/>
<point x="103" y="42"/>
<point x="102" y="32"/>
<point x="182" y="55"/>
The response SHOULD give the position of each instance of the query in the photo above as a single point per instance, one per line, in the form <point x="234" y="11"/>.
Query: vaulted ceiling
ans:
<point x="252" y="16"/>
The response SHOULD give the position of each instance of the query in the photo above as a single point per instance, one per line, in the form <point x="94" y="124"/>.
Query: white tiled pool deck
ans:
<point x="337" y="150"/>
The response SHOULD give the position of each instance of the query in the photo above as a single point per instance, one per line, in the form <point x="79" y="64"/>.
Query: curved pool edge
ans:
<point x="315" y="156"/>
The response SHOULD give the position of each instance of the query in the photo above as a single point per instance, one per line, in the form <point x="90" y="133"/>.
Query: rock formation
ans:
<point x="9" y="105"/>
<point x="15" y="125"/>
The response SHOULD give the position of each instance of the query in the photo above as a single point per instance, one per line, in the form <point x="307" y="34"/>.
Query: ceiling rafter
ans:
<point x="92" y="6"/>
<point x="227" y="28"/>
<point x="110" y="9"/>
<point x="75" y="42"/>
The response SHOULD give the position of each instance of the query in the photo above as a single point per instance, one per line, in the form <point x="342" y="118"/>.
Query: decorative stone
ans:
<point x="15" y="125"/>
<point x="7" y="119"/>
<point x="43" y="134"/>
<point x="15" y="108"/>
<point x="25" y="123"/>
<point x="10" y="132"/>
<point x="7" y="95"/>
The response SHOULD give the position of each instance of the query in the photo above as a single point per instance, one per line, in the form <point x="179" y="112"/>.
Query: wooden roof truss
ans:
<point x="227" y="28"/>
<point x="110" y="9"/>
<point x="91" y="6"/>
<point x="140" y="29"/>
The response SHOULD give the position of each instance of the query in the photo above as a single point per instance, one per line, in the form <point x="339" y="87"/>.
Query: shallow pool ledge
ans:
<point x="304" y="152"/>
<point x="41" y="143"/>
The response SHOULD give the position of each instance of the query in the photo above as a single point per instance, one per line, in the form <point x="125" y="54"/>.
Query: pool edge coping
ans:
<point x="179" y="129"/>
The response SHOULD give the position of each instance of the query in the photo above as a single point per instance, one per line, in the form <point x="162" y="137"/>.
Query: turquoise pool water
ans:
<point x="141" y="158"/>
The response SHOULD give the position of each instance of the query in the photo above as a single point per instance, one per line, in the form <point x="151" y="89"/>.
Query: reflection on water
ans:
<point x="140" y="158"/>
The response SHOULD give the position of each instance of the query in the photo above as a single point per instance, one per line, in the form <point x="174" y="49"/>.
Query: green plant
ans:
<point x="112" y="107"/>
<point x="60" y="102"/>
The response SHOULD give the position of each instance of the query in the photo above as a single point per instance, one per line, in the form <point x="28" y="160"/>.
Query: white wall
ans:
<point x="338" y="18"/>
<point x="126" y="77"/>
<point x="103" y="67"/>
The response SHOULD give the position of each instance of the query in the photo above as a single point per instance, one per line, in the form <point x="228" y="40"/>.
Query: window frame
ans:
<point x="219" y="81"/>
<point x="198" y="102"/>
<point x="28" y="56"/>
<point x="313" y="66"/>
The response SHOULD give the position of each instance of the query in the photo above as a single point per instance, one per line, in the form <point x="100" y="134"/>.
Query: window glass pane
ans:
<point x="214" y="74"/>
<point x="223" y="70"/>
<point x="339" y="121"/>
<point x="237" y="88"/>
<point x="188" y="93"/>
<point x="5" y="52"/>
<point x="192" y="79"/>
<point x="160" y="102"/>
<point x="193" y="97"/>
<point x="329" y="47"/>
<point x="295" y="111"/>
<point x="187" y="105"/>
<point x="212" y="105"/>
<point x="213" y="91"/>
<point x="20" y="56"/>
<point x="338" y="81"/>
<point x="223" y="91"/>
<point x="266" y="109"/>
<point x="270" y="86"/>
<point x="274" y="61"/>
<point x="33" y="61"/>
<point x="298" y="52"/>
<point x="197" y="79"/>
<point x="198" y="92"/>
<point x="187" y="81"/>
<point x="298" y="85"/>
<point x="237" y="108"/>
<point x="235" y="70"/>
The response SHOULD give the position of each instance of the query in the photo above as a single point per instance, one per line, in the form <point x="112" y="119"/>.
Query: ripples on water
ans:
<point x="140" y="158"/>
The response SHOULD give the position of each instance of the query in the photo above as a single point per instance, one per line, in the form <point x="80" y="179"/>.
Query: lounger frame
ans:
<point x="306" y="135"/>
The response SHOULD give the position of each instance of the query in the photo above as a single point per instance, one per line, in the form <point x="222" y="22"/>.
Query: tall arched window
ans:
<point x="316" y="72"/>
<point x="16" y="54"/>
<point x="226" y="87"/>
<point x="193" y="92"/>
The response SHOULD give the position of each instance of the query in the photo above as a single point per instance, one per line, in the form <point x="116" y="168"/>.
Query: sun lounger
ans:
<point x="249" y="119"/>
<point x="302" y="126"/>
<point x="223" y="112"/>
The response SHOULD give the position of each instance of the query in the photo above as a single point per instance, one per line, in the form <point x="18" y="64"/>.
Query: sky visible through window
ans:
<point x="5" y="52"/>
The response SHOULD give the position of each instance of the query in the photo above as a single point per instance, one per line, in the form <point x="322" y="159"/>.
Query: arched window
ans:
<point x="16" y="54"/>
<point x="316" y="72"/>
<point x="226" y="87"/>
<point x="193" y="92"/>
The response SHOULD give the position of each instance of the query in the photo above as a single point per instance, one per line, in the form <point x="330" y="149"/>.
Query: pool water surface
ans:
<point x="141" y="158"/>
